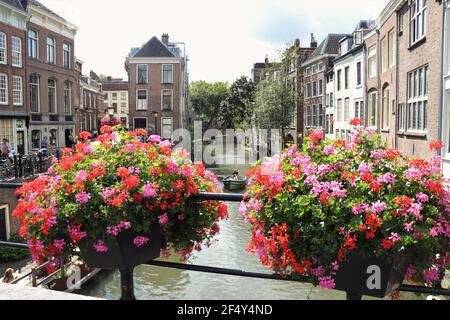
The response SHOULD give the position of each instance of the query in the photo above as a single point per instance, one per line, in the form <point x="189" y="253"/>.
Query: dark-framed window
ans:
<point x="167" y="73"/>
<point x="33" y="44"/>
<point x="142" y="74"/>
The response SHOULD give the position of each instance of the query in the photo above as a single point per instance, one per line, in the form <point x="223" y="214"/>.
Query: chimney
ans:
<point x="165" y="38"/>
<point x="313" y="41"/>
<point x="297" y="43"/>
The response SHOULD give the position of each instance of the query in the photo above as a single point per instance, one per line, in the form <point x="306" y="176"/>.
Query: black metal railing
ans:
<point x="26" y="166"/>
<point x="127" y="282"/>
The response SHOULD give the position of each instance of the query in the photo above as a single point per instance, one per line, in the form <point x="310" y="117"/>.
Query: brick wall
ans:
<point x="154" y="91"/>
<point x="428" y="53"/>
<point x="47" y="71"/>
<point x="14" y="71"/>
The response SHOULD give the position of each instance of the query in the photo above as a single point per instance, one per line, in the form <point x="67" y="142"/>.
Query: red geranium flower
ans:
<point x="436" y="145"/>
<point x="356" y="122"/>
<point x="85" y="135"/>
<point x="106" y="129"/>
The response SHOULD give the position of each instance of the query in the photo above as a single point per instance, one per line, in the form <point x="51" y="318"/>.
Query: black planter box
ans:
<point x="122" y="253"/>
<point x="357" y="274"/>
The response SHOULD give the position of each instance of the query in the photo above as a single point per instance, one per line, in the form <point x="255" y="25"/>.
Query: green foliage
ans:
<point x="206" y="99"/>
<point x="11" y="255"/>
<point x="237" y="109"/>
<point x="275" y="102"/>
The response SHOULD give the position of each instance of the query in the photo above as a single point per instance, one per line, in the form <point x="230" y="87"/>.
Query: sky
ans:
<point x="223" y="38"/>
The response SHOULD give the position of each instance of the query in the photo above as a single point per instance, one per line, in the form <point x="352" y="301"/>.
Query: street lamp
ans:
<point x="155" y="115"/>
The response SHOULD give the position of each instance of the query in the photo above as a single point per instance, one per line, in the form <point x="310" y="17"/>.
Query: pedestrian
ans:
<point x="9" y="276"/>
<point x="44" y="143"/>
<point x="70" y="143"/>
<point x="7" y="150"/>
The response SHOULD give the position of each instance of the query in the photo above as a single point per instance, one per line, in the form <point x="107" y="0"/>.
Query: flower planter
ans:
<point x="59" y="284"/>
<point x="371" y="276"/>
<point x="122" y="254"/>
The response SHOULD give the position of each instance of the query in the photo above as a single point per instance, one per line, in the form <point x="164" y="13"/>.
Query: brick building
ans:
<point x="90" y="100"/>
<point x="260" y="70"/>
<point x="316" y="69"/>
<point x="115" y="92"/>
<point x="419" y="72"/>
<point x="381" y="74"/>
<point x="158" y="87"/>
<point x="13" y="99"/>
<point x="53" y="83"/>
<point x="296" y="56"/>
<point x="446" y="88"/>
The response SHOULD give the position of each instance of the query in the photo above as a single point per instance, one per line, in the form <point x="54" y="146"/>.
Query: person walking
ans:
<point x="7" y="150"/>
<point x="44" y="143"/>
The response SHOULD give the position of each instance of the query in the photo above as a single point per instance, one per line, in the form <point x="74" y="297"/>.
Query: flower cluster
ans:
<point x="312" y="207"/>
<point x="119" y="182"/>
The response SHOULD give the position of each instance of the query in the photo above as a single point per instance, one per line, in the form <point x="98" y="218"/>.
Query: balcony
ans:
<point x="69" y="118"/>
<point x="54" y="118"/>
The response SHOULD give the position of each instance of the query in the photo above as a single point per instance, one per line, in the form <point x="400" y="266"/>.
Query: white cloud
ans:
<point x="224" y="38"/>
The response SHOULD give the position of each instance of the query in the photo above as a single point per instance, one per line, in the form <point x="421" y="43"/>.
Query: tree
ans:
<point x="237" y="109"/>
<point x="206" y="99"/>
<point x="275" y="102"/>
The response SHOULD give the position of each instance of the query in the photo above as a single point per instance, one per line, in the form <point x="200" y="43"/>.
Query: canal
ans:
<point x="153" y="283"/>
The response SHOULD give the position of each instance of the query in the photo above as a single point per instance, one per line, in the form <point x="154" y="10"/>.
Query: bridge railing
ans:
<point x="127" y="282"/>
<point x="26" y="166"/>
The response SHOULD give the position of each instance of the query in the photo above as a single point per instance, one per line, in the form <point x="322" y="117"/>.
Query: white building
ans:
<point x="329" y="109"/>
<point x="446" y="89"/>
<point x="349" y="81"/>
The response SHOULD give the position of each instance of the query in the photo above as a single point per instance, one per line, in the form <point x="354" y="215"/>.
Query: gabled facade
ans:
<point x="13" y="98"/>
<point x="350" y="82"/>
<point x="158" y="87"/>
<point x="381" y="74"/>
<point x="91" y="99"/>
<point x="316" y="69"/>
<point x="296" y="56"/>
<point x="53" y="82"/>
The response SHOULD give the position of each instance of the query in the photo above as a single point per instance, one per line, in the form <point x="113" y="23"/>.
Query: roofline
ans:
<point x="68" y="24"/>
<point x="389" y="9"/>
<point x="90" y="86"/>
<point x="349" y="52"/>
<point x="22" y="12"/>
<point x="315" y="59"/>
<point x="143" y="59"/>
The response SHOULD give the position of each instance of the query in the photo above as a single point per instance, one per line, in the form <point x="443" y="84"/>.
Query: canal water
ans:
<point x="153" y="283"/>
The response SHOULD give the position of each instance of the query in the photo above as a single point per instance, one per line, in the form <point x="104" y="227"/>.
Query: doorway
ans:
<point x="4" y="223"/>
<point x="21" y="142"/>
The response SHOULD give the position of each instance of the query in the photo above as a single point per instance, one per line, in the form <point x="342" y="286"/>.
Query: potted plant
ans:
<point x="355" y="216"/>
<point x="119" y="200"/>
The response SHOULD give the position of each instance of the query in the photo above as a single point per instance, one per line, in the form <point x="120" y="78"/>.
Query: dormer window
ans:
<point x="357" y="37"/>
<point x="343" y="47"/>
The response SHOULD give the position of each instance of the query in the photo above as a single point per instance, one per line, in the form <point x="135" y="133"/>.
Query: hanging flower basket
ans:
<point x="371" y="276"/>
<point x="336" y="211"/>
<point x="119" y="199"/>
<point x="122" y="253"/>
